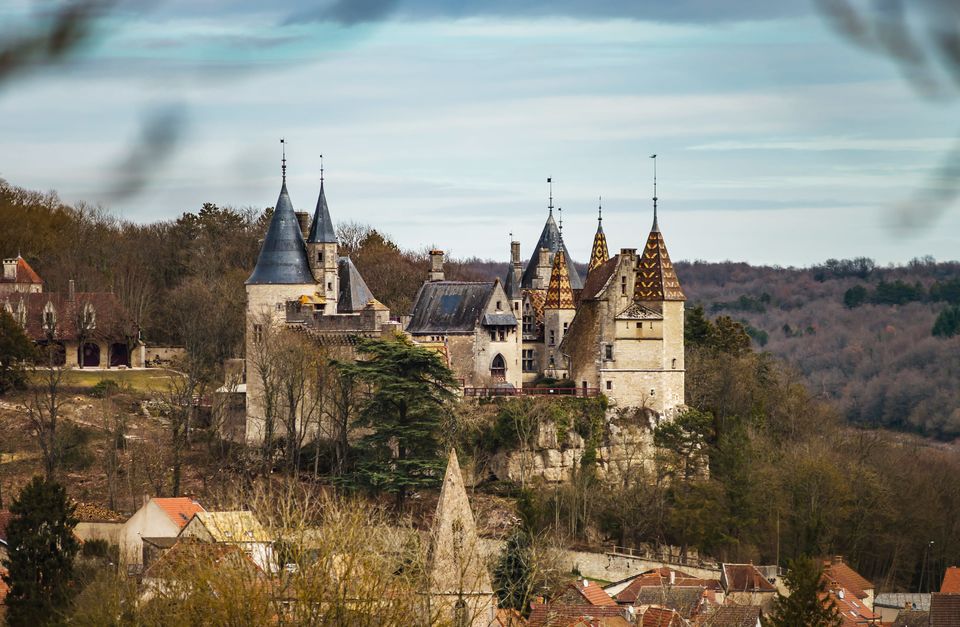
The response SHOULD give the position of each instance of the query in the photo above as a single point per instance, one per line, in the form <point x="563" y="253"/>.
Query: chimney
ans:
<point x="146" y="499"/>
<point x="544" y="258"/>
<point x="838" y="559"/>
<point x="436" y="265"/>
<point x="71" y="291"/>
<point x="303" y="218"/>
<point x="515" y="252"/>
<point x="628" y="252"/>
<point x="10" y="269"/>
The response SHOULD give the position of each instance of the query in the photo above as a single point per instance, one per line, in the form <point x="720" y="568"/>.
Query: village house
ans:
<point x="157" y="518"/>
<point x="235" y="528"/>
<point x="744" y="584"/>
<point x="82" y="329"/>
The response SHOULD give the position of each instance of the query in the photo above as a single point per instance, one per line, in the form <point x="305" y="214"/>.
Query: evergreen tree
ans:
<point x="15" y="348"/>
<point x="42" y="548"/>
<point x="948" y="322"/>
<point x="513" y="573"/>
<point x="697" y="329"/>
<point x="410" y="387"/>
<point x="808" y="603"/>
<point x="855" y="296"/>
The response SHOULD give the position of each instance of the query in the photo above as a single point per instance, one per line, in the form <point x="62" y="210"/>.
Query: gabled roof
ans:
<point x="179" y="509"/>
<point x="744" y="578"/>
<point x="283" y="254"/>
<point x="951" y="580"/>
<point x="599" y="253"/>
<point x="443" y="307"/>
<point x="853" y="611"/>
<point x="598" y="278"/>
<point x="551" y="240"/>
<point x="354" y="294"/>
<point x="189" y="555"/>
<point x="686" y="600"/>
<point x="636" y="311"/>
<point x="661" y="617"/>
<point x="112" y="320"/>
<point x="839" y="572"/>
<point x="456" y="561"/>
<point x="233" y="526"/>
<point x="24" y="273"/>
<point x="659" y="580"/>
<point x="512" y="288"/>
<point x="656" y="278"/>
<point x="590" y="592"/>
<point x="559" y="294"/>
<point x="321" y="229"/>
<point x="912" y="618"/>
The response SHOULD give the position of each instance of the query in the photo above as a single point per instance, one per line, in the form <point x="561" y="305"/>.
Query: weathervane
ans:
<point x="321" y="169"/>
<point x="654" y="157"/>
<point x="283" y="159"/>
<point x="550" y="205"/>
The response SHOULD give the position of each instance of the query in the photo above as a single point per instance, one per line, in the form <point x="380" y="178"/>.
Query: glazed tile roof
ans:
<point x="551" y="240"/>
<point x="283" y="254"/>
<point x="180" y="509"/>
<point x="656" y="278"/>
<point x="559" y="294"/>
<point x="599" y="253"/>
<point x="951" y="580"/>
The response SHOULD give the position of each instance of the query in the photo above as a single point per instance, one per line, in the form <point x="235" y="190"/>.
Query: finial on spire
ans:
<point x="599" y="208"/>
<point x="560" y="216"/>
<point x="550" y="205"/>
<point x="283" y="159"/>
<point x="654" y="157"/>
<point x="321" y="170"/>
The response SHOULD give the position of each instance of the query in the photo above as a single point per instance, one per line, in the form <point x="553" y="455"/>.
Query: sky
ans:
<point x="779" y="141"/>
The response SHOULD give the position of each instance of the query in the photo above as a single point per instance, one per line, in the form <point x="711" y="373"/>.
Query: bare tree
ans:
<point x="44" y="407"/>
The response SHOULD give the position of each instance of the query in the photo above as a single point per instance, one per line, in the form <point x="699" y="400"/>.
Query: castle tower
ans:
<point x="559" y="309"/>
<point x="460" y="590"/>
<point x="322" y="252"/>
<point x="282" y="275"/>
<point x="599" y="252"/>
<point x="537" y="273"/>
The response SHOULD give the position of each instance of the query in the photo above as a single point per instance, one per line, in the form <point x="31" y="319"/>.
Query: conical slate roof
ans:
<point x="559" y="294"/>
<point x="283" y="255"/>
<point x="551" y="240"/>
<point x="321" y="230"/>
<point x="457" y="565"/>
<point x="354" y="293"/>
<point x="656" y="278"/>
<point x="599" y="253"/>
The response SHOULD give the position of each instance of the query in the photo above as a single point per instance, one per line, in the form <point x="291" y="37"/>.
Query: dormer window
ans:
<point x="499" y="306"/>
<point x="89" y="317"/>
<point x="49" y="317"/>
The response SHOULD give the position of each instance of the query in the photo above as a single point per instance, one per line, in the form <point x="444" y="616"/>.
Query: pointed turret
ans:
<point x="559" y="292"/>
<point x="322" y="250"/>
<point x="599" y="253"/>
<point x="656" y="278"/>
<point x="460" y="588"/>
<point x="321" y="229"/>
<point x="550" y="239"/>
<point x="283" y="255"/>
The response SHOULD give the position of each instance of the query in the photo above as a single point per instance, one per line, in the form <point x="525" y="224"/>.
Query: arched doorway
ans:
<point x="90" y="355"/>
<point x="119" y="355"/>
<point x="498" y="368"/>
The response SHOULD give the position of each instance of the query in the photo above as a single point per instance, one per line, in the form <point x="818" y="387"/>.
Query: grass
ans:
<point x="151" y="380"/>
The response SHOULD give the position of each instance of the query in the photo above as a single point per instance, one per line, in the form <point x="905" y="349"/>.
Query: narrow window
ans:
<point x="257" y="333"/>
<point x="553" y="338"/>
<point x="673" y="364"/>
<point x="608" y="352"/>
<point x="330" y="287"/>
<point x="623" y="285"/>
<point x="499" y="305"/>
<point x="493" y="336"/>
<point x="320" y="257"/>
<point x="639" y="325"/>
<point x="609" y="385"/>
<point x="502" y="335"/>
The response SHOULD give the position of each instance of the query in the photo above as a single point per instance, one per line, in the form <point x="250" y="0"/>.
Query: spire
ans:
<point x="599" y="253"/>
<point x="559" y="293"/>
<point x="655" y="226"/>
<point x="321" y="229"/>
<point x="283" y="254"/>
<point x="457" y="566"/>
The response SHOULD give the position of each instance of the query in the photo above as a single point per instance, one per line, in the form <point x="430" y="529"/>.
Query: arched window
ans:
<point x="49" y="317"/>
<point x="89" y="317"/>
<point x="498" y="368"/>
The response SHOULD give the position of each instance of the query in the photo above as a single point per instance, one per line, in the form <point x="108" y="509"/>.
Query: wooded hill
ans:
<point x="857" y="334"/>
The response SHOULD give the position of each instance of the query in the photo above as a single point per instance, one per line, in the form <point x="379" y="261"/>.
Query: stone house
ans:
<point x="475" y="324"/>
<point x="157" y="518"/>
<point x="745" y="584"/>
<point x="85" y="329"/>
<point x="236" y="528"/>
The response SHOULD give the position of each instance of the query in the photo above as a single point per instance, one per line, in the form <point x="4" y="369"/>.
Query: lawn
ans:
<point x="150" y="380"/>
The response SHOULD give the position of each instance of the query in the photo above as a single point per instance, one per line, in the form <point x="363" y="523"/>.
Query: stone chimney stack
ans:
<point x="303" y="219"/>
<point x="10" y="269"/>
<point x="436" y="265"/>
<point x="515" y="252"/>
<point x="71" y="291"/>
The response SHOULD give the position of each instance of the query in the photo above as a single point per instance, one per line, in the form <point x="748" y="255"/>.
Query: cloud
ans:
<point x="829" y="143"/>
<point x="349" y="12"/>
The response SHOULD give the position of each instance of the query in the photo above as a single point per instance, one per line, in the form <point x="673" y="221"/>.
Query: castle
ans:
<point x="617" y="331"/>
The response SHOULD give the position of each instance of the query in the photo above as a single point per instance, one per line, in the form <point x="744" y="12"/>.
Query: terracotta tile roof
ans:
<point x="733" y="616"/>
<point x="25" y="274"/>
<point x="944" y="610"/>
<point x="179" y="509"/>
<point x="839" y="572"/>
<point x="5" y="517"/>
<point x="556" y="615"/>
<point x="661" y="617"/>
<point x="851" y="609"/>
<point x="111" y="319"/>
<point x="592" y="592"/>
<point x="660" y="578"/>
<point x="951" y="580"/>
<point x="745" y="578"/>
